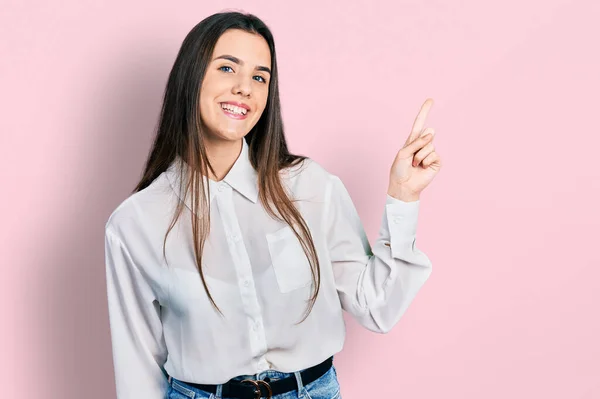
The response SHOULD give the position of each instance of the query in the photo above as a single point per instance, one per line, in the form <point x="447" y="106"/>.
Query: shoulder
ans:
<point x="311" y="180"/>
<point x="121" y="215"/>
<point x="311" y="171"/>
<point x="140" y="210"/>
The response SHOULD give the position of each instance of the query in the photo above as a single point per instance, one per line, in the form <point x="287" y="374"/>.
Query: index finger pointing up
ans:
<point x="420" y="120"/>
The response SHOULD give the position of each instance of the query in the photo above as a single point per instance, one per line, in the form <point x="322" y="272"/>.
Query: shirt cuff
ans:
<point x="402" y="220"/>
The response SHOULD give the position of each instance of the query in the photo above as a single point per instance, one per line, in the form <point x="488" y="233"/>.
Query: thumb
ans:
<point x="420" y="141"/>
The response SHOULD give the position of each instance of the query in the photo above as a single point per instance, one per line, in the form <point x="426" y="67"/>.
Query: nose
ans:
<point x="243" y="86"/>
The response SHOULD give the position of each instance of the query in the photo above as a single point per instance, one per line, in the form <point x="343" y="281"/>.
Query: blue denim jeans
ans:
<point x="325" y="387"/>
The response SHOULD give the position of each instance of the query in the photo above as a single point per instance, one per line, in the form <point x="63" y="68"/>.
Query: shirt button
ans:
<point x="246" y="283"/>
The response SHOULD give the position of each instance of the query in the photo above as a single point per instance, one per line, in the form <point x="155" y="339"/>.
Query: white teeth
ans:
<point x="234" y="109"/>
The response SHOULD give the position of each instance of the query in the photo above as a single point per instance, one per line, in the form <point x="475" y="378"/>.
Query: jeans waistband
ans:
<point x="270" y="382"/>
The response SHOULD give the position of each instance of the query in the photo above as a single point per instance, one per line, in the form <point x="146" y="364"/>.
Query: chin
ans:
<point x="229" y="135"/>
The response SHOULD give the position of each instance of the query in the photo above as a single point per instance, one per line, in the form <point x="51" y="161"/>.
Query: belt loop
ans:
<point x="300" y="384"/>
<point x="219" y="392"/>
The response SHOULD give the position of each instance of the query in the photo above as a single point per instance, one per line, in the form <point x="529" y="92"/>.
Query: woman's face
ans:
<point x="235" y="88"/>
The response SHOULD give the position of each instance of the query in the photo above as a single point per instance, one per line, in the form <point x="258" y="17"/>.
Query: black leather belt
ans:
<point x="256" y="389"/>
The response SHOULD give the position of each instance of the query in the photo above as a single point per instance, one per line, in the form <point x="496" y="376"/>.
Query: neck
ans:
<point x="222" y="155"/>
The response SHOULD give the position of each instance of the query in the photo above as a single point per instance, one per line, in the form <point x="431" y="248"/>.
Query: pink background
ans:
<point x="511" y="222"/>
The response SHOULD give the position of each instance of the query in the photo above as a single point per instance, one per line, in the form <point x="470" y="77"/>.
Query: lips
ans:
<point x="235" y="115"/>
<point x="237" y="104"/>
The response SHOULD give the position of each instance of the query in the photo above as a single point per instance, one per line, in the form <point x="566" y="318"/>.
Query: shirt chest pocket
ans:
<point x="290" y="264"/>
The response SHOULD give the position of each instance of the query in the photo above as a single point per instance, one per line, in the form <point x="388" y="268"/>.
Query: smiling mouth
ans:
<point x="234" y="109"/>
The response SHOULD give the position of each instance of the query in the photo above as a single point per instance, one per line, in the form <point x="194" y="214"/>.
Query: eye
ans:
<point x="262" y="79"/>
<point x="221" y="68"/>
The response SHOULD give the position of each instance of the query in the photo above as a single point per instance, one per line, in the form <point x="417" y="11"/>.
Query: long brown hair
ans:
<point x="179" y="133"/>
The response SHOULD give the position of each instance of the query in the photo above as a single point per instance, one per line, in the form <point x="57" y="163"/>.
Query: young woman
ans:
<point x="230" y="264"/>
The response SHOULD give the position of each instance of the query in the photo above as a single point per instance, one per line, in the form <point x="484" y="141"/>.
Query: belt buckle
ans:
<point x="257" y="385"/>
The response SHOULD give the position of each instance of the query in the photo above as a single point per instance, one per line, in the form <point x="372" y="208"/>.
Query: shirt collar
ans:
<point x="242" y="177"/>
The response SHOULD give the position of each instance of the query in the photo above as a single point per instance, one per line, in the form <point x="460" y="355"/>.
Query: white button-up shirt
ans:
<point x="162" y="321"/>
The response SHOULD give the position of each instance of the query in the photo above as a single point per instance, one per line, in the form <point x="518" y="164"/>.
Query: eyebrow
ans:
<point x="240" y="62"/>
